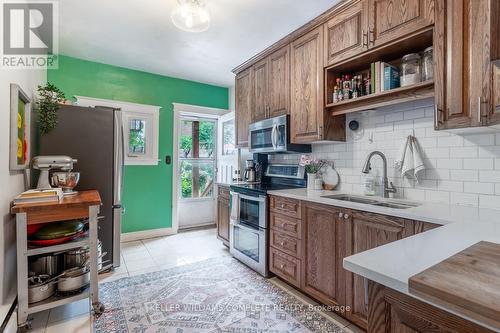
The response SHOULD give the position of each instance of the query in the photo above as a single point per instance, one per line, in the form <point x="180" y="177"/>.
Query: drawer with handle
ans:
<point x="285" y="266"/>
<point x="285" y="243"/>
<point x="287" y="225"/>
<point x="289" y="207"/>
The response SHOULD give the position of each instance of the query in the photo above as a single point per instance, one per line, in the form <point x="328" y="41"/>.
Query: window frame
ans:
<point x="131" y="110"/>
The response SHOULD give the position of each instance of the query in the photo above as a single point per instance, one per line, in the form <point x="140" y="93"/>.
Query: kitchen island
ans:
<point x="392" y="264"/>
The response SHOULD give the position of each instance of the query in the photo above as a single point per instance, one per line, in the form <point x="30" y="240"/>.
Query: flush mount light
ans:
<point x="191" y="16"/>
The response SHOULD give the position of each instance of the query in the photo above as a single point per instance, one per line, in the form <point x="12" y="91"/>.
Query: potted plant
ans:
<point x="49" y="98"/>
<point x="312" y="167"/>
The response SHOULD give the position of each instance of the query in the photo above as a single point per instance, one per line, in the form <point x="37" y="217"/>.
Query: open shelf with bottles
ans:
<point x="360" y="66"/>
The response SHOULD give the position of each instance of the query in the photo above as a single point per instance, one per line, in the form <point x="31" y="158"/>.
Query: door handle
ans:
<point x="365" y="37"/>
<point x="274" y="138"/>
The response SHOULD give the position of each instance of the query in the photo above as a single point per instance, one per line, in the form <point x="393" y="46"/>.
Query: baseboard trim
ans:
<point x="146" y="234"/>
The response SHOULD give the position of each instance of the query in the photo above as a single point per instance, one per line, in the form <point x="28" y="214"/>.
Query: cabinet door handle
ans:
<point x="365" y="37"/>
<point x="282" y="206"/>
<point x="479" y="115"/>
<point x="282" y="243"/>
<point x="282" y="266"/>
<point x="372" y="36"/>
<point x="346" y="216"/>
<point x="340" y="214"/>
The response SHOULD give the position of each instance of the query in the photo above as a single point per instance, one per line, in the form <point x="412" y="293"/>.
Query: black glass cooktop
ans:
<point x="262" y="188"/>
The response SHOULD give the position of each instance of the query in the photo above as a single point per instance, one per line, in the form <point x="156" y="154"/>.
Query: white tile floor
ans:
<point x="146" y="256"/>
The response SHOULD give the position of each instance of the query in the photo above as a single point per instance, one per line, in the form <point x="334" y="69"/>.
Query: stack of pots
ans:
<point x="68" y="271"/>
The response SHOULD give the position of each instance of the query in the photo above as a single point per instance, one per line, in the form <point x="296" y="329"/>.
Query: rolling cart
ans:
<point x="83" y="205"/>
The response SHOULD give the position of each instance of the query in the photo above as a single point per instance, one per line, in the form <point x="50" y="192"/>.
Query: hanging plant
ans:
<point x="49" y="98"/>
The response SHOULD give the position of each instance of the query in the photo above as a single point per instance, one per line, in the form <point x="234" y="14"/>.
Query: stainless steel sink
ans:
<point x="395" y="205"/>
<point x="373" y="202"/>
<point x="351" y="198"/>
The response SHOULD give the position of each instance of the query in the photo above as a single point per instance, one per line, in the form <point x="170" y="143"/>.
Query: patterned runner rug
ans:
<point x="215" y="295"/>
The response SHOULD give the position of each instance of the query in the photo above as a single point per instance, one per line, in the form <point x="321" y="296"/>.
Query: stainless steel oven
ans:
<point x="272" y="136"/>
<point x="248" y="230"/>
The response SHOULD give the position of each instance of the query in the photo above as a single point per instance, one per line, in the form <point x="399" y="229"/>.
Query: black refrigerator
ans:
<point x="94" y="136"/>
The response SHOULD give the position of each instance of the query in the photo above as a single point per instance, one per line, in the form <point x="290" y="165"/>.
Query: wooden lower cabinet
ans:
<point x="394" y="312"/>
<point x="321" y="260"/>
<point x="366" y="231"/>
<point x="223" y="213"/>
<point x="308" y="252"/>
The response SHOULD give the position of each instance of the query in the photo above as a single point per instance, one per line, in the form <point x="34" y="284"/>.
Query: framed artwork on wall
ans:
<point x="20" y="117"/>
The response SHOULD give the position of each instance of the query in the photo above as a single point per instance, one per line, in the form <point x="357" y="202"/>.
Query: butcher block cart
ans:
<point x="84" y="205"/>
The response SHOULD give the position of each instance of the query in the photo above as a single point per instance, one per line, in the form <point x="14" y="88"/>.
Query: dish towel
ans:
<point x="411" y="163"/>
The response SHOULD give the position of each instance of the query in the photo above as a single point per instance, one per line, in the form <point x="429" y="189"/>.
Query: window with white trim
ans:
<point x="140" y="125"/>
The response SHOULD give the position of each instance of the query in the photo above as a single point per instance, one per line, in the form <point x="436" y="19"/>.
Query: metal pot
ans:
<point x="50" y="264"/>
<point x="74" y="279"/>
<point x="78" y="257"/>
<point x="40" y="287"/>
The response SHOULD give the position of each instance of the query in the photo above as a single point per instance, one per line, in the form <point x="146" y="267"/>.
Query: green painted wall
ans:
<point x="147" y="189"/>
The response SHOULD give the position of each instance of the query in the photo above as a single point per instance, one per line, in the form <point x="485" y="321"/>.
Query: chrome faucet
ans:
<point x="388" y="187"/>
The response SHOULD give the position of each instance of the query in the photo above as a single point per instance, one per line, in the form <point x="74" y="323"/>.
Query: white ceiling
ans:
<point x="139" y="34"/>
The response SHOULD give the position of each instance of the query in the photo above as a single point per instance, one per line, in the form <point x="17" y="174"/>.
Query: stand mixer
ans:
<point x="47" y="163"/>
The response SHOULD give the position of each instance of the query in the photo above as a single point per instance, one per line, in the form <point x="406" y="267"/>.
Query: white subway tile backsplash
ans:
<point x="463" y="152"/>
<point x="450" y="141"/>
<point x="450" y="185"/>
<point x="414" y="114"/>
<point x="437" y="196"/>
<point x="489" y="201"/>
<point x="479" y="164"/>
<point x="479" y="140"/>
<point x="460" y="169"/>
<point x="464" y="175"/>
<point x="479" y="188"/>
<point x="467" y="199"/>
<point x="450" y="163"/>
<point x="489" y="176"/>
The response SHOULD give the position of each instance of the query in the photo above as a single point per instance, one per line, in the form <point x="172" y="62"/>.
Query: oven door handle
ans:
<point x="257" y="230"/>
<point x="260" y="198"/>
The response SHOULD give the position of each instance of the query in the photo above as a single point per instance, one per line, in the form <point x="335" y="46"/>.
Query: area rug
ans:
<point x="215" y="295"/>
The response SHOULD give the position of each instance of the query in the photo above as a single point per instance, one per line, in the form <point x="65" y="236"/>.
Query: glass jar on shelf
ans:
<point x="428" y="64"/>
<point x="410" y="69"/>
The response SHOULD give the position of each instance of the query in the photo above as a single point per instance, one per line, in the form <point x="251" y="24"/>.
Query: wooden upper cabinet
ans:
<point x="393" y="19"/>
<point x="320" y="259"/>
<point x="244" y="97"/>
<point x="279" y="82"/>
<point x="260" y="90"/>
<point x="495" y="117"/>
<point x="465" y="75"/>
<point x="346" y="33"/>
<point x="366" y="231"/>
<point x="306" y="114"/>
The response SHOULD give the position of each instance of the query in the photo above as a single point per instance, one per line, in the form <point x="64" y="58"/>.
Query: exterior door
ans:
<point x="244" y="105"/>
<point x="393" y="19"/>
<point x="306" y="112"/>
<point x="197" y="171"/>
<point x="279" y="83"/>
<point x="346" y="34"/>
<point x="260" y="91"/>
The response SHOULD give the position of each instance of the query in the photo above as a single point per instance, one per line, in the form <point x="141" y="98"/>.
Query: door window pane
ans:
<point x="137" y="137"/>
<point x="197" y="139"/>
<point x="197" y="179"/>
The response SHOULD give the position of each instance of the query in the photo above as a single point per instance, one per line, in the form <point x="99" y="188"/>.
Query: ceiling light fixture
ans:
<point x="191" y="16"/>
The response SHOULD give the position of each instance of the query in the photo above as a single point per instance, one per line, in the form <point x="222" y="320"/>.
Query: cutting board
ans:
<point x="467" y="283"/>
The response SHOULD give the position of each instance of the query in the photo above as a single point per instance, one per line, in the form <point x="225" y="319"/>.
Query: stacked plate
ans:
<point x="57" y="233"/>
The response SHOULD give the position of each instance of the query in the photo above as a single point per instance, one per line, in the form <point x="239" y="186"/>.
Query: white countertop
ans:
<point x="393" y="264"/>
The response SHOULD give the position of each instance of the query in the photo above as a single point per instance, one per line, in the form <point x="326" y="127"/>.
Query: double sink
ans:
<point x="374" y="202"/>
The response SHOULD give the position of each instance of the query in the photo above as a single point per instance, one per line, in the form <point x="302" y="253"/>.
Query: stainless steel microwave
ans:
<point x="273" y="136"/>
